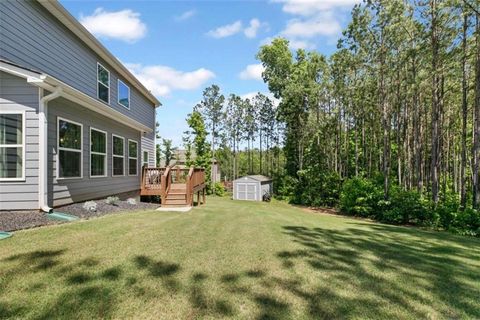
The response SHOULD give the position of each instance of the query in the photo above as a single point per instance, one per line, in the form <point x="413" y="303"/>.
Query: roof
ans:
<point x="59" y="12"/>
<point x="257" y="177"/>
<point x="52" y="84"/>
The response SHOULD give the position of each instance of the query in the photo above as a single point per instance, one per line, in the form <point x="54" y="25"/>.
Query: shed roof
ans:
<point x="257" y="177"/>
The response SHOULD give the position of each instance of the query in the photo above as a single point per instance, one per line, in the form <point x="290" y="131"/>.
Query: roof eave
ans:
<point x="59" y="12"/>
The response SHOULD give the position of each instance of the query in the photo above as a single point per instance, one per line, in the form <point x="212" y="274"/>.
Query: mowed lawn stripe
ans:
<point x="240" y="260"/>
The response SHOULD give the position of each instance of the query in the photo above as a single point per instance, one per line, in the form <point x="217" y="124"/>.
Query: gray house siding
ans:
<point x="148" y="144"/>
<point x="30" y="36"/>
<point x="17" y="95"/>
<point x="64" y="191"/>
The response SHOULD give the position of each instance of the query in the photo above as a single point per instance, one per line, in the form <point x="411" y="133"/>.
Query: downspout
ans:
<point x="43" y="148"/>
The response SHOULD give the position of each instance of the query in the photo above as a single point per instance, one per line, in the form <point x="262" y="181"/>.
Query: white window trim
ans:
<point x="117" y="156"/>
<point x="136" y="158"/>
<point x="68" y="149"/>
<point x="98" y="81"/>
<point x="143" y="158"/>
<point x="23" y="145"/>
<point x="99" y="153"/>
<point x="118" y="94"/>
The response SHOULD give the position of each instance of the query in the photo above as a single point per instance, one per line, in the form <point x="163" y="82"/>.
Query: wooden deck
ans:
<point x="176" y="186"/>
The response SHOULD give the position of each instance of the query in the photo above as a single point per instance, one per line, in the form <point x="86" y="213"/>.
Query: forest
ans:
<point x="387" y="127"/>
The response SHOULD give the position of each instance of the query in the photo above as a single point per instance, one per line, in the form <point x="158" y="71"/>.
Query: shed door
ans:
<point x="246" y="191"/>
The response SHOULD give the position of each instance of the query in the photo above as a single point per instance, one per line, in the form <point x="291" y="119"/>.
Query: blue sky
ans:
<point x="177" y="48"/>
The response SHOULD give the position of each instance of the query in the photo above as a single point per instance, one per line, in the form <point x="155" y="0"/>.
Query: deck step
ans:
<point x="176" y="196"/>
<point x="182" y="202"/>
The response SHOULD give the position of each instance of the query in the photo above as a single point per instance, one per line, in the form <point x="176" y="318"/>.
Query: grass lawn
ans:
<point x="240" y="260"/>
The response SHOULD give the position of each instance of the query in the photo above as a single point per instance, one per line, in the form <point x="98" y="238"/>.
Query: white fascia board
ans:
<point x="49" y="83"/>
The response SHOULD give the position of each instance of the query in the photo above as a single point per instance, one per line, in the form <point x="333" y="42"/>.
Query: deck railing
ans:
<point x="157" y="181"/>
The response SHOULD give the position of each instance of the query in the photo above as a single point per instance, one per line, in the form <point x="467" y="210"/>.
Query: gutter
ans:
<point x="43" y="143"/>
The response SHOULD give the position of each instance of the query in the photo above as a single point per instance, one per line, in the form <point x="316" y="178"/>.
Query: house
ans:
<point x="75" y="124"/>
<point x="252" y="187"/>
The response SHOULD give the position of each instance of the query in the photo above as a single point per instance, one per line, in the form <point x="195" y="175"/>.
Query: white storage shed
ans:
<point x="252" y="187"/>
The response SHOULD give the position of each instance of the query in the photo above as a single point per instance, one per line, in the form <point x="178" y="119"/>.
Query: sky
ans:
<point x="178" y="48"/>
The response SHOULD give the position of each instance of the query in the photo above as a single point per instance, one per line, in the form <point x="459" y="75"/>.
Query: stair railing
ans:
<point x="190" y="185"/>
<point x="165" y="183"/>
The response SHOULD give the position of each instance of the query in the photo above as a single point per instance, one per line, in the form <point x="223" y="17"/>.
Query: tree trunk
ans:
<point x="435" y="148"/>
<point x="476" y="144"/>
<point x="463" y="192"/>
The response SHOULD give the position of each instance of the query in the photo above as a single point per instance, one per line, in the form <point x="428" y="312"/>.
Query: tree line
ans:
<point x="390" y="120"/>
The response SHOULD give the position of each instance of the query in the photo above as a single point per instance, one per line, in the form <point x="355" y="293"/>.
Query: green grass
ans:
<point x="240" y="260"/>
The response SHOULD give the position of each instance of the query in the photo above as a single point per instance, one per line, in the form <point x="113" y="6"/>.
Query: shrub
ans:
<point x="284" y="187"/>
<point x="90" y="206"/>
<point x="112" y="200"/>
<point x="360" y="196"/>
<point x="219" y="189"/>
<point x="131" y="201"/>
<point x="467" y="222"/>
<point x="405" y="207"/>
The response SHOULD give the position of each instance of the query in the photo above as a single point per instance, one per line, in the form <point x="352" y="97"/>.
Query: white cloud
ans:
<point x="163" y="79"/>
<point x="226" y="31"/>
<point x="251" y="95"/>
<point x="251" y="31"/>
<point x="252" y="72"/>
<point x="312" y="7"/>
<point x="293" y="43"/>
<point x="124" y="25"/>
<point x="321" y="25"/>
<point x="312" y="19"/>
<point x="186" y="15"/>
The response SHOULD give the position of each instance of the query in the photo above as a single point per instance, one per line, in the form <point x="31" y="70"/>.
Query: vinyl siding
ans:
<point x="31" y="37"/>
<point x="64" y="191"/>
<point x="148" y="144"/>
<point x="17" y="95"/>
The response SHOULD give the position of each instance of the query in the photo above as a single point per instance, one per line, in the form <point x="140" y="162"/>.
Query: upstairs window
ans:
<point x="103" y="83"/>
<point x="69" y="135"/>
<point x="98" y="153"/>
<point x="132" y="157"/>
<point x="123" y="94"/>
<point x="12" y="146"/>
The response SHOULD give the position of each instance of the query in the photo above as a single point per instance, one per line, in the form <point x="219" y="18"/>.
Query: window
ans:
<point x="69" y="161"/>
<point x="123" y="94"/>
<point x="12" y="146"/>
<point x="98" y="153"/>
<point x="132" y="157"/>
<point x="103" y="83"/>
<point x="145" y="159"/>
<point x="118" y="154"/>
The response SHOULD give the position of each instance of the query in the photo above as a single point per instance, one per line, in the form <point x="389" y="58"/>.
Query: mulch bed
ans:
<point x="17" y="220"/>
<point x="104" y="208"/>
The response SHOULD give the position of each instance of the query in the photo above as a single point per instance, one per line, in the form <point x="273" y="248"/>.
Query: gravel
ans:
<point x="104" y="208"/>
<point x="17" y="220"/>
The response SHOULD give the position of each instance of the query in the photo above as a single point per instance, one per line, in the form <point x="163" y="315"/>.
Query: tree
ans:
<point x="168" y="151"/>
<point x="200" y="145"/>
<point x="233" y="125"/>
<point x="211" y="107"/>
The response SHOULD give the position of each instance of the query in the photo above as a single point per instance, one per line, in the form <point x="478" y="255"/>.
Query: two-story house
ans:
<point x="75" y="124"/>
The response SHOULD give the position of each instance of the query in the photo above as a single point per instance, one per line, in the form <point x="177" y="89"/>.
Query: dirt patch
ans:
<point x="18" y="220"/>
<point x="104" y="208"/>
<point x="331" y="211"/>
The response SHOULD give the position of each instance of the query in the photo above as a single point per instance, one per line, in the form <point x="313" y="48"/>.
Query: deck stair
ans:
<point x="176" y="186"/>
